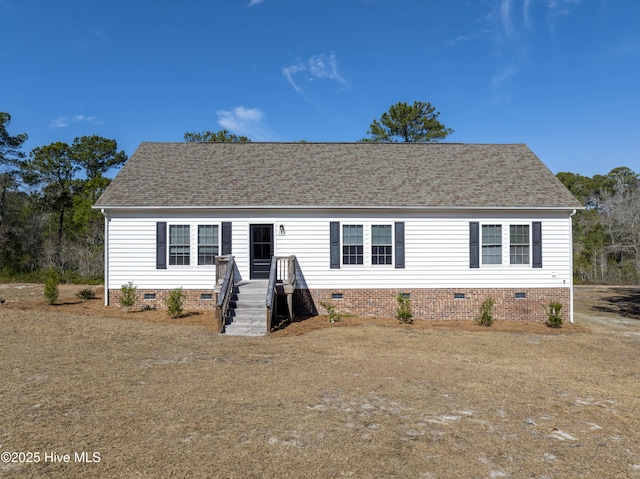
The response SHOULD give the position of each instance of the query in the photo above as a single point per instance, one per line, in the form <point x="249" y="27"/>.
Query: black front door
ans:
<point x="261" y="250"/>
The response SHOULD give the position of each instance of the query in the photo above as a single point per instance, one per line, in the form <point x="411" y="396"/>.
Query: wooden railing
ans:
<point x="271" y="292"/>
<point x="221" y="267"/>
<point x="225" y="280"/>
<point x="282" y="280"/>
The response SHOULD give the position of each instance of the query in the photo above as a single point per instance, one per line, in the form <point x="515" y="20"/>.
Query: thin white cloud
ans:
<point x="467" y="38"/>
<point x="255" y="2"/>
<point x="512" y="22"/>
<point x="65" y="121"/>
<point x="88" y="119"/>
<point x="289" y="72"/>
<point x="243" y="121"/>
<point x="60" y="122"/>
<point x="504" y="16"/>
<point x="100" y="34"/>
<point x="561" y="7"/>
<point x="317" y="67"/>
<point x="628" y="48"/>
<point x="501" y="81"/>
<point x="526" y="16"/>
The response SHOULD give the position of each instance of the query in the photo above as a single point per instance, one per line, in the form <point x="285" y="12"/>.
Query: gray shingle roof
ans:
<point x="204" y="175"/>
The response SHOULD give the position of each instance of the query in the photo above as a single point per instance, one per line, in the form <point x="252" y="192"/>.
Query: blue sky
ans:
<point x="562" y="76"/>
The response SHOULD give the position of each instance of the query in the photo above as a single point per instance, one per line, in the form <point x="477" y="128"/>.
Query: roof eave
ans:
<point x="334" y="207"/>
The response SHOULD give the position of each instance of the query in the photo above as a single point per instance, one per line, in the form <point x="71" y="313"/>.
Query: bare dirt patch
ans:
<point x="361" y="399"/>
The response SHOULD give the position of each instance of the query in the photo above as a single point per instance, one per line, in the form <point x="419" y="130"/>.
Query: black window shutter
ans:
<point x="474" y="244"/>
<point x="334" y="244"/>
<point x="161" y="245"/>
<point x="226" y="237"/>
<point x="399" y="227"/>
<point x="537" y="244"/>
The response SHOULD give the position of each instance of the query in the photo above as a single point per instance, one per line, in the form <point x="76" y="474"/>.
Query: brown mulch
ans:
<point x="28" y="297"/>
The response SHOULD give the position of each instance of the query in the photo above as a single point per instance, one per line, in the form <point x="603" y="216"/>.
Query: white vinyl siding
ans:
<point x="436" y="249"/>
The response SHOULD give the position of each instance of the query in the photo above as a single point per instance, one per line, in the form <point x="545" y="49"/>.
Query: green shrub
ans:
<point x="485" y="318"/>
<point x="554" y="317"/>
<point x="174" y="303"/>
<point x="334" y="316"/>
<point x="128" y="295"/>
<point x="51" y="291"/>
<point x="403" y="311"/>
<point x="86" y="293"/>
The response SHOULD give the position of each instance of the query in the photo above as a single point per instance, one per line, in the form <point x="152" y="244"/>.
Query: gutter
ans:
<point x="106" y="257"/>
<point x="571" y="268"/>
<point x="338" y="207"/>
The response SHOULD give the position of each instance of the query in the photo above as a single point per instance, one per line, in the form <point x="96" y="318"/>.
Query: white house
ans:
<point x="447" y="224"/>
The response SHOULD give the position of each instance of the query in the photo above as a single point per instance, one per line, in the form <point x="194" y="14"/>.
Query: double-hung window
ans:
<point x="491" y="244"/>
<point x="207" y="244"/>
<point x="179" y="241"/>
<point x="352" y="244"/>
<point x="381" y="244"/>
<point x="519" y="244"/>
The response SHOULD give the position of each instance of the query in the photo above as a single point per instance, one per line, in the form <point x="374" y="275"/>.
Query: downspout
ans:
<point x="106" y="257"/>
<point x="571" y="267"/>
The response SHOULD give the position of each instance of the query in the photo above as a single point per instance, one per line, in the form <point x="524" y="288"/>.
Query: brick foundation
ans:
<point x="382" y="303"/>
<point x="436" y="303"/>
<point x="191" y="299"/>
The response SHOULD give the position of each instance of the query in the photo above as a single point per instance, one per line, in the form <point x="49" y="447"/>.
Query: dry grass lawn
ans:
<point x="161" y="398"/>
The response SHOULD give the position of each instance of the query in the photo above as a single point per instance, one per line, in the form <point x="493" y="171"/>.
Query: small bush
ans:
<point x="485" y="318"/>
<point x="174" y="303"/>
<point x="51" y="290"/>
<point x="128" y="295"/>
<point x="554" y="317"/>
<point x="86" y="293"/>
<point x="334" y="316"/>
<point x="403" y="311"/>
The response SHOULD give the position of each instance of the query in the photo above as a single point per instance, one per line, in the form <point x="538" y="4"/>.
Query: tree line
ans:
<point x="606" y="234"/>
<point x="46" y="219"/>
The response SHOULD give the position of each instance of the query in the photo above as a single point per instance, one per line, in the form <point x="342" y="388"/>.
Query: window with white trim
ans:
<point x="207" y="244"/>
<point x="381" y="245"/>
<point x="352" y="244"/>
<point x="519" y="242"/>
<point x="491" y="244"/>
<point x="179" y="245"/>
